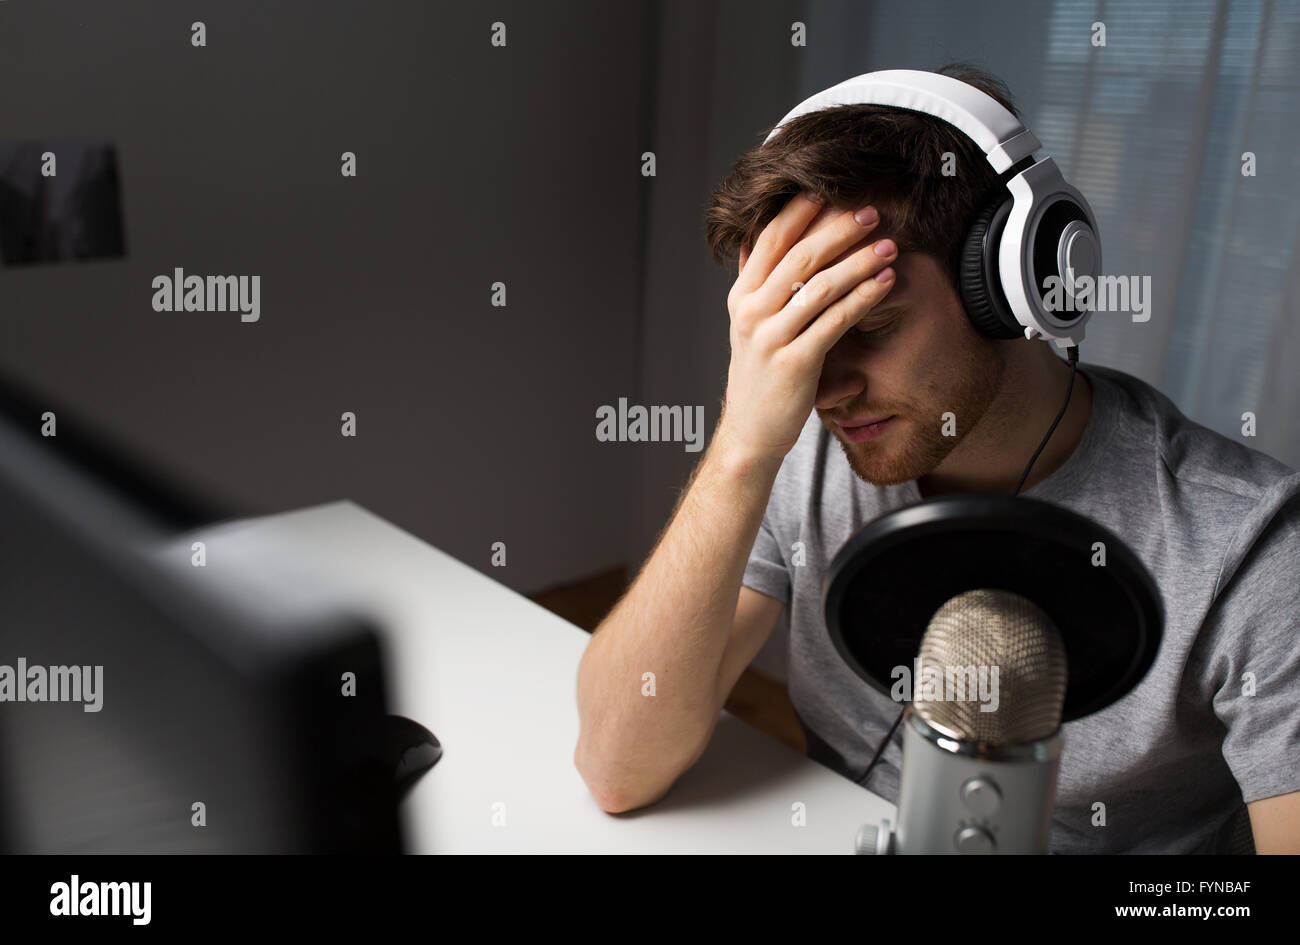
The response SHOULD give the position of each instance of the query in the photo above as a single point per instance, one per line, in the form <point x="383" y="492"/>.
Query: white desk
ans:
<point x="493" y="675"/>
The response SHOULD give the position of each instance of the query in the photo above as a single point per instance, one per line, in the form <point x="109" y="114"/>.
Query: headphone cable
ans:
<point x="1072" y="354"/>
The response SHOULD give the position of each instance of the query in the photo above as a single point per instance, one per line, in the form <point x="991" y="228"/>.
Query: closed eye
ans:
<point x="877" y="324"/>
<point x="873" y="329"/>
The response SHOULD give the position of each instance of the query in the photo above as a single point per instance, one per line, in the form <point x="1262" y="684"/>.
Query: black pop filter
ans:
<point x="888" y="580"/>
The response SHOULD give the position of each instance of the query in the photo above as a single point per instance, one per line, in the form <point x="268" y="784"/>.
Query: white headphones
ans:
<point x="1043" y="228"/>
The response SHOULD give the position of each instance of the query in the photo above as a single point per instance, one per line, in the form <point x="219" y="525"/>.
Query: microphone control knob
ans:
<point x="981" y="796"/>
<point x="974" y="840"/>
<point x="872" y="839"/>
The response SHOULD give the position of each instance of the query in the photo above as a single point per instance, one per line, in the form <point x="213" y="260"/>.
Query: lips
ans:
<point x="862" y="432"/>
<point x="852" y="424"/>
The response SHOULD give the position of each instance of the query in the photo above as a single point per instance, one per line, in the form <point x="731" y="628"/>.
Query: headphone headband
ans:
<point x="1002" y="138"/>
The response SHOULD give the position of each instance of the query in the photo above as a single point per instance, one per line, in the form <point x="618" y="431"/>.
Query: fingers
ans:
<point x="827" y="287"/>
<point x="831" y="325"/>
<point x="807" y="256"/>
<point x="775" y="240"/>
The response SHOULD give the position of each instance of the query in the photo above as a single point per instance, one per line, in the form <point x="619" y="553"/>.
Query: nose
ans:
<point x="841" y="379"/>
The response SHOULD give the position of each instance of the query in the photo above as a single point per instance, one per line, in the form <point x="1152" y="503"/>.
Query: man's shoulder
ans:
<point x="1190" y="452"/>
<point x="1219" y="494"/>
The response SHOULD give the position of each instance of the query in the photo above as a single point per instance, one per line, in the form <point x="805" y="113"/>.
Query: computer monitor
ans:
<point x="142" y="709"/>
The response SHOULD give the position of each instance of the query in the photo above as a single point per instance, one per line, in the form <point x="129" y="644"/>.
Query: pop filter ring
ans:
<point x="1111" y="617"/>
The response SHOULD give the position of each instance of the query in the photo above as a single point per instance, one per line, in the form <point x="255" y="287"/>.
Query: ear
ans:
<point x="744" y="255"/>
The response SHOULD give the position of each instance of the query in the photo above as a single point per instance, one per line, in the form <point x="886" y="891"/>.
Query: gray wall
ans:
<point x="476" y="164"/>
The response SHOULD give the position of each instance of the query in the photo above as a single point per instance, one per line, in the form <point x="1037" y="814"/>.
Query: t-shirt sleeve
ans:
<point x="1254" y="661"/>
<point x="766" y="572"/>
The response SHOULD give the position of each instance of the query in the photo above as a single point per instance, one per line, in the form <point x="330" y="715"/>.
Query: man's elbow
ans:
<point x="616" y="792"/>
<point x="614" y="800"/>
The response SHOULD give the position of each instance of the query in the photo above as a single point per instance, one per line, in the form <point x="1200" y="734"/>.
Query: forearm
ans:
<point x="673" y="622"/>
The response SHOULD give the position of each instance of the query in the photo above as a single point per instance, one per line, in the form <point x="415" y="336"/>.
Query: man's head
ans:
<point x="928" y="181"/>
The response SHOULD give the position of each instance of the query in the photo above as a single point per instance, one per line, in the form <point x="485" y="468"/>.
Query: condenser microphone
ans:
<point x="981" y="738"/>
<point x="1064" y="610"/>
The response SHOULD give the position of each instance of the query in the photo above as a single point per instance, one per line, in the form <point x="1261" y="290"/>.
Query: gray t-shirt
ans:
<point x="1218" y="526"/>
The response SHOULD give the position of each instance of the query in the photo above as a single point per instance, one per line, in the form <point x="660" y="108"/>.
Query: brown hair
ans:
<point x="857" y="154"/>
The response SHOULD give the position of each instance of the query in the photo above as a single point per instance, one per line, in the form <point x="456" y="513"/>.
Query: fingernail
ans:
<point x="812" y="197"/>
<point x="866" y="216"/>
<point x="885" y="274"/>
<point x="885" y="248"/>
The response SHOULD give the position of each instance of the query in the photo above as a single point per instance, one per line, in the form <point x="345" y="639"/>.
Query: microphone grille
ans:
<point x="1006" y="649"/>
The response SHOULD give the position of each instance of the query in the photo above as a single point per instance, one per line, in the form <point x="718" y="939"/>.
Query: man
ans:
<point x="847" y="330"/>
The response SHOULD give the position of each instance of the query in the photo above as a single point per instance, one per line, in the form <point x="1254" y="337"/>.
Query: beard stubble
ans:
<point x="913" y="447"/>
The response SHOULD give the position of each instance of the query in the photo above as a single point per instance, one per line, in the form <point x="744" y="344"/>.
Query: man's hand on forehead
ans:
<point x="827" y="217"/>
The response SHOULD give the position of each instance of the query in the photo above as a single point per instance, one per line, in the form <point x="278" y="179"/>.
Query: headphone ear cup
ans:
<point x="981" y="286"/>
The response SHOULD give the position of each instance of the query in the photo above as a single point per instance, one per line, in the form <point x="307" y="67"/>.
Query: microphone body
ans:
<point x="979" y="774"/>
<point x="960" y="796"/>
